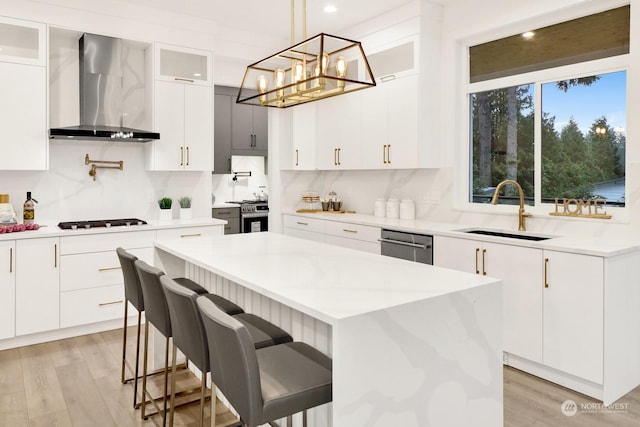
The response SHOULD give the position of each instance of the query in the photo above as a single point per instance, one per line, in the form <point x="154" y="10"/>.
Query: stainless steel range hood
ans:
<point x="101" y="95"/>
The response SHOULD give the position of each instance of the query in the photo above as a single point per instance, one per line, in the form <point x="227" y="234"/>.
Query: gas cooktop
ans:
<point x="250" y="202"/>
<point x="100" y="223"/>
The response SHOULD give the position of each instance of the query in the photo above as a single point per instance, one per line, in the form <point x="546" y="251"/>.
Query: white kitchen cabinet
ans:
<point x="339" y="132"/>
<point x="23" y="42"/>
<point x="181" y="64"/>
<point x="37" y="285"/>
<point x="23" y="117"/>
<point x="345" y="234"/>
<point x="574" y="314"/>
<point x="520" y="270"/>
<point x="297" y="131"/>
<point x="183" y="115"/>
<point x="7" y="289"/>
<point x="353" y="236"/>
<point x="390" y="124"/>
<point x="190" y="232"/>
<point x="395" y="59"/>
<point x="304" y="137"/>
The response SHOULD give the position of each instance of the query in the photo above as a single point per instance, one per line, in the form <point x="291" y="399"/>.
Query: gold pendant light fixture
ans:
<point x="317" y="68"/>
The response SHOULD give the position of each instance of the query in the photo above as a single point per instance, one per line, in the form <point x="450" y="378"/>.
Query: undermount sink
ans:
<point x="496" y="233"/>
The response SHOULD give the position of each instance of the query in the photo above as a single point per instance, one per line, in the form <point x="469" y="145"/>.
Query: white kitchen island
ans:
<point x="412" y="344"/>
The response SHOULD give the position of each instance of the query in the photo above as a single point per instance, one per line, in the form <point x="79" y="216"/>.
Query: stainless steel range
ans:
<point x="254" y="216"/>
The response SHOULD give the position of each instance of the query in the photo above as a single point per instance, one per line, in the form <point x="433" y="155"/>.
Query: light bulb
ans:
<point x="298" y="74"/>
<point x="262" y="87"/>
<point x="278" y="77"/>
<point x="341" y="70"/>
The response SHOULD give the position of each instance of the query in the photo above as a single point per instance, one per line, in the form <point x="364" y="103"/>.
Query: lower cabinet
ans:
<point x="573" y="314"/>
<point x="7" y="289"/>
<point x="231" y="215"/>
<point x="553" y="302"/>
<point x="37" y="285"/>
<point x="348" y="235"/>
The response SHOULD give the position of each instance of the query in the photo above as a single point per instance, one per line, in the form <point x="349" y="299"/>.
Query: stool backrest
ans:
<point x="156" y="309"/>
<point x="234" y="365"/>
<point x="186" y="323"/>
<point x="132" y="288"/>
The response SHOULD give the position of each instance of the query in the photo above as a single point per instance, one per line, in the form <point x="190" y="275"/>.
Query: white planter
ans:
<point x="186" y="213"/>
<point x="165" y="215"/>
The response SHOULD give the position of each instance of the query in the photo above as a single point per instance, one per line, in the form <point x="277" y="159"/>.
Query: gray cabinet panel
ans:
<point x="222" y="134"/>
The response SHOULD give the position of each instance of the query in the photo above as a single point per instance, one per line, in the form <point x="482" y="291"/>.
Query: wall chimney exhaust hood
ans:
<point x="101" y="95"/>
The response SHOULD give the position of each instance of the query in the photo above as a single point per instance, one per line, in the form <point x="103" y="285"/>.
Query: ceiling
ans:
<point x="272" y="17"/>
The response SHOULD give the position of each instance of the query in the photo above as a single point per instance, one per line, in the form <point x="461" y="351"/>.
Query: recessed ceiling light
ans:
<point x="528" y="34"/>
<point x="330" y="9"/>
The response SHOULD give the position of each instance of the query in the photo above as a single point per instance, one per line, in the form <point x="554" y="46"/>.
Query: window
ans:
<point x="561" y="88"/>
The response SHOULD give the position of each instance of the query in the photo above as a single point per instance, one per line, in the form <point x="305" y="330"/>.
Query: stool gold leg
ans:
<point x="166" y="381"/>
<point x="173" y="384"/>
<point x="203" y="392"/>
<point x="144" y="369"/>
<point x="135" y="375"/>
<point x="124" y="341"/>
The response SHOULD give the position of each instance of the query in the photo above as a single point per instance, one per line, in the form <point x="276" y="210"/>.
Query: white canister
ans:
<point x="393" y="208"/>
<point x="379" y="209"/>
<point x="407" y="209"/>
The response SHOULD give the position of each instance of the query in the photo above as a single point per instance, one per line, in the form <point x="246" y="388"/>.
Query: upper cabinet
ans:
<point x="239" y="129"/>
<point x="23" y="42"/>
<point x="23" y="104"/>
<point x="182" y="111"/>
<point x="180" y="64"/>
<point x="339" y="132"/>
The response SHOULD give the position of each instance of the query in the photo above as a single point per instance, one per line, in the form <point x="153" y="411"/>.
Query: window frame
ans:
<point x="537" y="79"/>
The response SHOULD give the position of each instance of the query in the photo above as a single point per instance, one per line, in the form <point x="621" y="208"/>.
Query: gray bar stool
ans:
<point x="133" y="294"/>
<point x="157" y="313"/>
<point x="266" y="384"/>
<point x="189" y="335"/>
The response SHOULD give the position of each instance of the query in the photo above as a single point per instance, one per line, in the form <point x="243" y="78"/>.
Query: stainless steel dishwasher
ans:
<point x="413" y="247"/>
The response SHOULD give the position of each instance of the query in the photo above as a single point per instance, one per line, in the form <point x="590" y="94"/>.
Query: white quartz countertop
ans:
<point x="52" y="230"/>
<point x="586" y="245"/>
<point x="324" y="281"/>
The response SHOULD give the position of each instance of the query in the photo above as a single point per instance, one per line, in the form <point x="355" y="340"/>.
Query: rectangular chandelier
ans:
<point x="317" y="68"/>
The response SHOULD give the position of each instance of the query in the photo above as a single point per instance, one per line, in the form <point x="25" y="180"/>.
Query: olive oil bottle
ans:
<point x="28" y="210"/>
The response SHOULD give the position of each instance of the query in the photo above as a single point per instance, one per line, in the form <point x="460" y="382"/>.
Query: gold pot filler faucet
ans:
<point x="521" y="213"/>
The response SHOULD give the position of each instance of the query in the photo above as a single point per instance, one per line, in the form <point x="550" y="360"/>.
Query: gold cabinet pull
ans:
<point x="55" y="255"/>
<point x="335" y="157"/>
<point x="339" y="157"/>
<point x="104" y="304"/>
<point x="187" y="156"/>
<point x="181" y="156"/>
<point x="296" y="157"/>
<point x="191" y="235"/>
<point x="302" y="223"/>
<point x="546" y="267"/>
<point x="484" y="252"/>
<point x="109" y="268"/>
<point x="349" y="231"/>
<point x="180" y="79"/>
<point x="389" y="154"/>
<point x="10" y="260"/>
<point x="477" y="251"/>
<point x="384" y="154"/>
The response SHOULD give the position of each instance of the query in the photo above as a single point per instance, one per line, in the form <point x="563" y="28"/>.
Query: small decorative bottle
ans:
<point x="28" y="210"/>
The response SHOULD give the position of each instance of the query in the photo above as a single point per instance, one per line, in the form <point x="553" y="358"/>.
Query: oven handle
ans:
<point x="254" y="215"/>
<point x="398" y="242"/>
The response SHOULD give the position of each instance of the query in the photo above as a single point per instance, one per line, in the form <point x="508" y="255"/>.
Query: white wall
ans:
<point x="66" y="191"/>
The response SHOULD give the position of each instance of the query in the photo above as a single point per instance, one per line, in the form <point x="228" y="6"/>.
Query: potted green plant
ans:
<point x="165" y="209"/>
<point x="185" y="208"/>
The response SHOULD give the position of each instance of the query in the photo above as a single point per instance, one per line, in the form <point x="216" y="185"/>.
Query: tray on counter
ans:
<point x="323" y="212"/>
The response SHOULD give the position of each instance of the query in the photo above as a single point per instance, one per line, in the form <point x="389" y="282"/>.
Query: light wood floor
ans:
<point x="76" y="382"/>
